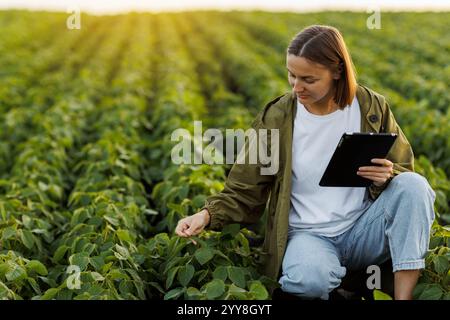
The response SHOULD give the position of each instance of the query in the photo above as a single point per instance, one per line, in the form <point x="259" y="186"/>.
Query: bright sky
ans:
<point x="111" y="6"/>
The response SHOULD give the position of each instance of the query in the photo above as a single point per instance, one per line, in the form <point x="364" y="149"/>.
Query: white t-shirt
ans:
<point x="328" y="211"/>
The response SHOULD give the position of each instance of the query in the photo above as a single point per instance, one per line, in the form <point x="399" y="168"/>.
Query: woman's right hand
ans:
<point x="193" y="225"/>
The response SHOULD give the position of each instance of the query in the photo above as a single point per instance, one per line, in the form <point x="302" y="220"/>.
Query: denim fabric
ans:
<point x="396" y="225"/>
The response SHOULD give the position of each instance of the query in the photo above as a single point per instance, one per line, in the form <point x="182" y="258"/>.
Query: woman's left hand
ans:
<point x="378" y="174"/>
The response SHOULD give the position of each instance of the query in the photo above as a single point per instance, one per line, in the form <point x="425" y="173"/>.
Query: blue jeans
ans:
<point x="396" y="225"/>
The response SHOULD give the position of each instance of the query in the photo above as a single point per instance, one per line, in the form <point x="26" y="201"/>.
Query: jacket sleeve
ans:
<point x="246" y="191"/>
<point x="401" y="153"/>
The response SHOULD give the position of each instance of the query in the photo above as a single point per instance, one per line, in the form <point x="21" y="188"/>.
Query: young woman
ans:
<point x="315" y="234"/>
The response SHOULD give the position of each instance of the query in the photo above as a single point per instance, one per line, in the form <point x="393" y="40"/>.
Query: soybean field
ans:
<point x="89" y="196"/>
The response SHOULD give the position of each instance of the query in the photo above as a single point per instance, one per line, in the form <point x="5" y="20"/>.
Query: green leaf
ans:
<point x="231" y="229"/>
<point x="171" y="275"/>
<point x="441" y="264"/>
<point x="185" y="274"/>
<point x="55" y="191"/>
<point x="193" y="293"/>
<point x="27" y="222"/>
<point x="8" y="233"/>
<point x="4" y="267"/>
<point x="215" y="288"/>
<point x="97" y="276"/>
<point x="37" y="267"/>
<point x="431" y="292"/>
<point x="174" y="293"/>
<point x="116" y="274"/>
<point x="220" y="273"/>
<point x="259" y="291"/>
<point x="123" y="235"/>
<point x="237" y="292"/>
<point x="151" y="212"/>
<point x="16" y="273"/>
<point x="97" y="262"/>
<point x="60" y="252"/>
<point x="42" y="186"/>
<point x="198" y="201"/>
<point x="80" y="259"/>
<point x="236" y="276"/>
<point x="202" y="274"/>
<point x="121" y="253"/>
<point x="50" y="294"/>
<point x="27" y="238"/>
<point x="380" y="295"/>
<point x="34" y="285"/>
<point x="203" y="255"/>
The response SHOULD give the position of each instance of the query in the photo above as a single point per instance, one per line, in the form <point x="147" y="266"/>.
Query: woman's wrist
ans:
<point x="207" y="216"/>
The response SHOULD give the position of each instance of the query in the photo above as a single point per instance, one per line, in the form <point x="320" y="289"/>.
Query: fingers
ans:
<point x="188" y="227"/>
<point x="386" y="167"/>
<point x="374" y="174"/>
<point x="383" y="171"/>
<point x="378" y="174"/>
<point x="194" y="229"/>
<point x="181" y="228"/>
<point x="384" y="162"/>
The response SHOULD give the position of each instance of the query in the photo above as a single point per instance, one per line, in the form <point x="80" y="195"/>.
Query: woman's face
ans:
<point x="311" y="82"/>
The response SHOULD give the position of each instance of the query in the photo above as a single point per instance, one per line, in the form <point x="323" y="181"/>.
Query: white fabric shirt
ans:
<point x="328" y="211"/>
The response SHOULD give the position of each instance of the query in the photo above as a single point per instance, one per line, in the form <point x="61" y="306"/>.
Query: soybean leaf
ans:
<point x="231" y="229"/>
<point x="441" y="264"/>
<point x="185" y="274"/>
<point x="123" y="235"/>
<point x="97" y="276"/>
<point x="27" y="238"/>
<point x="37" y="266"/>
<point x="431" y="292"/>
<point x="380" y="295"/>
<point x="193" y="293"/>
<point x="16" y="273"/>
<point x="203" y="255"/>
<point x="174" y="293"/>
<point x="237" y="292"/>
<point x="220" y="273"/>
<point x="171" y="276"/>
<point x="50" y="294"/>
<point x="60" y="252"/>
<point x="215" y="288"/>
<point x="80" y="259"/>
<point x="235" y="274"/>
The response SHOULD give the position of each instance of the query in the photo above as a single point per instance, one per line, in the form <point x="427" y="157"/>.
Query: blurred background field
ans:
<point x="86" y="177"/>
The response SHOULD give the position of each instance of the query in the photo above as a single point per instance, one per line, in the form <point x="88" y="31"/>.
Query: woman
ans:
<point x="315" y="234"/>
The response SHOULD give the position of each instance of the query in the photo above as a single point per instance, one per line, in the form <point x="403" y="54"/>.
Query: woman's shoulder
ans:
<point x="275" y="111"/>
<point x="370" y="96"/>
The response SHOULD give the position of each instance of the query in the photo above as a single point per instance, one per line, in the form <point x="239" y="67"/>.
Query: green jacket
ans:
<point x="244" y="197"/>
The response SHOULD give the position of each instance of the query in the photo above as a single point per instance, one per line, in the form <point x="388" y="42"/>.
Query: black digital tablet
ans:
<point x="354" y="150"/>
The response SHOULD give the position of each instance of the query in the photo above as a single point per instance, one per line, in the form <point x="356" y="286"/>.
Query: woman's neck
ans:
<point x="323" y="106"/>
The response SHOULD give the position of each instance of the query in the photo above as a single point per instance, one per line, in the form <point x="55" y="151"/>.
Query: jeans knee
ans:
<point x="414" y="185"/>
<point x="316" y="287"/>
<point x="417" y="190"/>
<point x="314" y="284"/>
